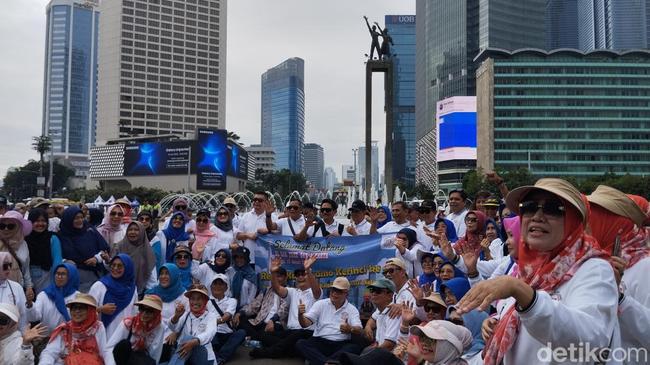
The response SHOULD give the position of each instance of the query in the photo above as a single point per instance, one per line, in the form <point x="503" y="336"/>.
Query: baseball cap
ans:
<point x="491" y="202"/>
<point x="397" y="262"/>
<point x="10" y="311"/>
<point x="358" y="205"/>
<point x="341" y="283"/>
<point x="383" y="284"/>
<point x="222" y="277"/>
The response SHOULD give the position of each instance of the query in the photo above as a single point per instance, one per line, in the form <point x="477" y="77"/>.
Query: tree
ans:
<point x="42" y="145"/>
<point x="282" y="182"/>
<point x="20" y="183"/>
<point x="420" y="191"/>
<point x="233" y="136"/>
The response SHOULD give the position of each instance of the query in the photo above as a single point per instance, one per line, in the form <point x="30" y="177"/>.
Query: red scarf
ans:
<point x="543" y="271"/>
<point x="141" y="330"/>
<point x="79" y="336"/>
<point x="472" y="240"/>
<point x="636" y="247"/>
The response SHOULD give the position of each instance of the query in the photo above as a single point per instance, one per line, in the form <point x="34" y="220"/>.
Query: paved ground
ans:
<point x="241" y="357"/>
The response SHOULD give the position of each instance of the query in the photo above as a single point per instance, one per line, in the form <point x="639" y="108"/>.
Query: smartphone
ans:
<point x="616" y="251"/>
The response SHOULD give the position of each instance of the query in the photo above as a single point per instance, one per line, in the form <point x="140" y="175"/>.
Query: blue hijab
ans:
<point x="457" y="272"/>
<point x="459" y="286"/>
<point x="389" y="216"/>
<point x="58" y="294"/>
<point x="425" y="278"/>
<point x="451" y="230"/>
<point x="473" y="322"/>
<point x="175" y="288"/>
<point x="245" y="272"/>
<point x="174" y="235"/>
<point x="79" y="244"/>
<point x="119" y="291"/>
<point x="185" y="273"/>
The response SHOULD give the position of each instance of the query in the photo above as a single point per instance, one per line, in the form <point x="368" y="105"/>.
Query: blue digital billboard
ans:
<point x="458" y="129"/>
<point x="213" y="159"/>
<point x="157" y="158"/>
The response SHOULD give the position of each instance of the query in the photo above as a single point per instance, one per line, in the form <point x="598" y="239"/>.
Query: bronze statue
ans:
<point x="385" y="43"/>
<point x="375" y="39"/>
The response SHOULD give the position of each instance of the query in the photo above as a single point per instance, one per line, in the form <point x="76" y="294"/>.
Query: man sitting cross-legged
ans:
<point x="307" y="291"/>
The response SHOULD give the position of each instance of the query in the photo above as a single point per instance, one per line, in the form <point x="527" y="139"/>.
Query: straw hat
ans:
<point x="82" y="298"/>
<point x="341" y="283"/>
<point x="198" y="289"/>
<point x="618" y="203"/>
<point x="151" y="301"/>
<point x="558" y="187"/>
<point x="435" y="298"/>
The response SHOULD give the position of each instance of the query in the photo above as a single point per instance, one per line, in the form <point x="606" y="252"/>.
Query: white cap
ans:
<point x="10" y="311"/>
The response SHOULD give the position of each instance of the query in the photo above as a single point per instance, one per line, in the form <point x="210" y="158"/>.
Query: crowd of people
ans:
<point x="494" y="281"/>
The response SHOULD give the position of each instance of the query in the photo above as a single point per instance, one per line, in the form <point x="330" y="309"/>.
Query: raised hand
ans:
<point x="493" y="177"/>
<point x="415" y="289"/>
<point x="400" y="245"/>
<point x="352" y="231"/>
<point x="408" y="313"/>
<point x="276" y="263"/>
<point x="470" y="259"/>
<point x="309" y="261"/>
<point x="373" y="214"/>
<point x="179" y="310"/>
<point x="301" y="307"/>
<point x="446" y="248"/>
<point x="268" y="207"/>
<point x="32" y="333"/>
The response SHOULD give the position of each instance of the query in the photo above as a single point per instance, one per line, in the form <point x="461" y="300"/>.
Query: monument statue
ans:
<point x="385" y="43"/>
<point x="375" y="39"/>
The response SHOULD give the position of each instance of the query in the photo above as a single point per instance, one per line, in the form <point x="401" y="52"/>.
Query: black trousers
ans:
<point x="254" y="331"/>
<point x="282" y="343"/>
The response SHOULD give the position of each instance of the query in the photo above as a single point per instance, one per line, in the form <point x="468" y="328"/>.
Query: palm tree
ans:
<point x="42" y="145"/>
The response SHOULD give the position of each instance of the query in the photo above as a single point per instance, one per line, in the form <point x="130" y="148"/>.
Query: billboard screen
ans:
<point x="238" y="161"/>
<point x="213" y="159"/>
<point x="157" y="158"/>
<point x="456" y="122"/>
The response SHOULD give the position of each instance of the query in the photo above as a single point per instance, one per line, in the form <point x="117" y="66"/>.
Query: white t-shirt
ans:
<point x="459" y="221"/>
<point x="331" y="228"/>
<point x="363" y="228"/>
<point x="285" y="228"/>
<point x="328" y="319"/>
<point x="228" y="306"/>
<point x="250" y="223"/>
<point x="294" y="296"/>
<point x="394" y="227"/>
<point x="387" y="328"/>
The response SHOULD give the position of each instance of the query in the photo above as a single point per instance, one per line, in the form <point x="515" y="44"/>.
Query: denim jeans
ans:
<point x="198" y="356"/>
<point x="225" y="344"/>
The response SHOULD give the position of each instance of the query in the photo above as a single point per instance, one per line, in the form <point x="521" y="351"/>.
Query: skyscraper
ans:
<point x="330" y="179"/>
<point x="162" y="68"/>
<point x="70" y="85"/>
<point x="283" y="113"/>
<point x="401" y="29"/>
<point x="374" y="162"/>
<point x="314" y="162"/>
<point x="511" y="24"/>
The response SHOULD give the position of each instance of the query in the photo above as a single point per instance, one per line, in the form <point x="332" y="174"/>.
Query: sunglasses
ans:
<point x="326" y="210"/>
<point x="8" y="226"/>
<point x="118" y="214"/>
<point x="376" y="290"/>
<point x="77" y="307"/>
<point x="202" y="220"/>
<point x="144" y="219"/>
<point x="471" y="220"/>
<point x="180" y="207"/>
<point x="293" y="207"/>
<point x="6" y="266"/>
<point x="223" y="214"/>
<point x="222" y="255"/>
<point x="431" y="308"/>
<point x="550" y="207"/>
<point x="258" y="200"/>
<point x="337" y="290"/>
<point x="230" y="206"/>
<point x="390" y="271"/>
<point x="4" y="320"/>
<point x="183" y="257"/>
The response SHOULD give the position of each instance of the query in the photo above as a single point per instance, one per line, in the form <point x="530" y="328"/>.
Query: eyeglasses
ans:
<point x="61" y="274"/>
<point x="202" y="220"/>
<point x="390" y="271"/>
<point x="8" y="226"/>
<point x="550" y="207"/>
<point x="471" y="220"/>
<point x="257" y="200"/>
<point x="180" y="207"/>
<point x="223" y="214"/>
<point x="117" y="266"/>
<point x="326" y="210"/>
<point x="144" y="219"/>
<point x="77" y="307"/>
<point x="6" y="266"/>
<point x="221" y="255"/>
<point x="4" y="320"/>
<point x="293" y="207"/>
<point x="118" y="214"/>
<point x="183" y="257"/>
<point x="230" y="206"/>
<point x="431" y="308"/>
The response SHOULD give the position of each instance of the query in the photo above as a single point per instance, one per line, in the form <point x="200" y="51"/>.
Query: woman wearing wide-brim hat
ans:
<point x="83" y="338"/>
<point x="138" y="340"/>
<point x="565" y="293"/>
<point x="13" y="230"/>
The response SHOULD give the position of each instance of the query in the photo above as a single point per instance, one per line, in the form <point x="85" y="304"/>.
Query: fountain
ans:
<point x="397" y="194"/>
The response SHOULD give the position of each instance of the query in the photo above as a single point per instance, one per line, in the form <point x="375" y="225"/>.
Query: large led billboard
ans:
<point x="456" y="122"/>
<point x="213" y="159"/>
<point x="157" y="158"/>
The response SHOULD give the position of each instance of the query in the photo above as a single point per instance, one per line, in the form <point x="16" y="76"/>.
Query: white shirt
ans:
<point x="11" y="292"/>
<point x="425" y="240"/>
<point x="153" y="341"/>
<point x="582" y="309"/>
<point x="169" y="308"/>
<point x="250" y="223"/>
<point x="331" y="228"/>
<point x="44" y="310"/>
<point x="363" y="228"/>
<point x="228" y="306"/>
<point x="52" y="353"/>
<point x="53" y="224"/>
<point x="285" y="229"/>
<point x="203" y="328"/>
<point x="394" y="227"/>
<point x="98" y="291"/>
<point x="403" y="295"/>
<point x="459" y="221"/>
<point x="387" y="328"/>
<point x="636" y="282"/>
<point x="328" y="319"/>
<point x="496" y="249"/>
<point x="206" y="275"/>
<point x="410" y="257"/>
<point x="11" y="351"/>
<point x="635" y="332"/>
<point x="222" y="240"/>
<point x="189" y="226"/>
<point x="294" y="296"/>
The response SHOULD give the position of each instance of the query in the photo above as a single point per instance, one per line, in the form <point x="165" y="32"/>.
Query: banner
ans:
<point x="359" y="258"/>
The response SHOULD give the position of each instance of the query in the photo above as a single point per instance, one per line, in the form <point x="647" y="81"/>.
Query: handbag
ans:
<point x="135" y="357"/>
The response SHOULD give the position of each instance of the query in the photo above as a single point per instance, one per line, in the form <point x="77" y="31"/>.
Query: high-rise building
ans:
<point x="535" y="111"/>
<point x="283" y="113"/>
<point x="374" y="163"/>
<point x="264" y="157"/>
<point x="162" y="67"/>
<point x="628" y="25"/>
<point x="314" y="163"/>
<point x="401" y="29"/>
<point x="70" y="85"/>
<point x="348" y="173"/>
<point x="512" y="25"/>
<point x="330" y="179"/>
